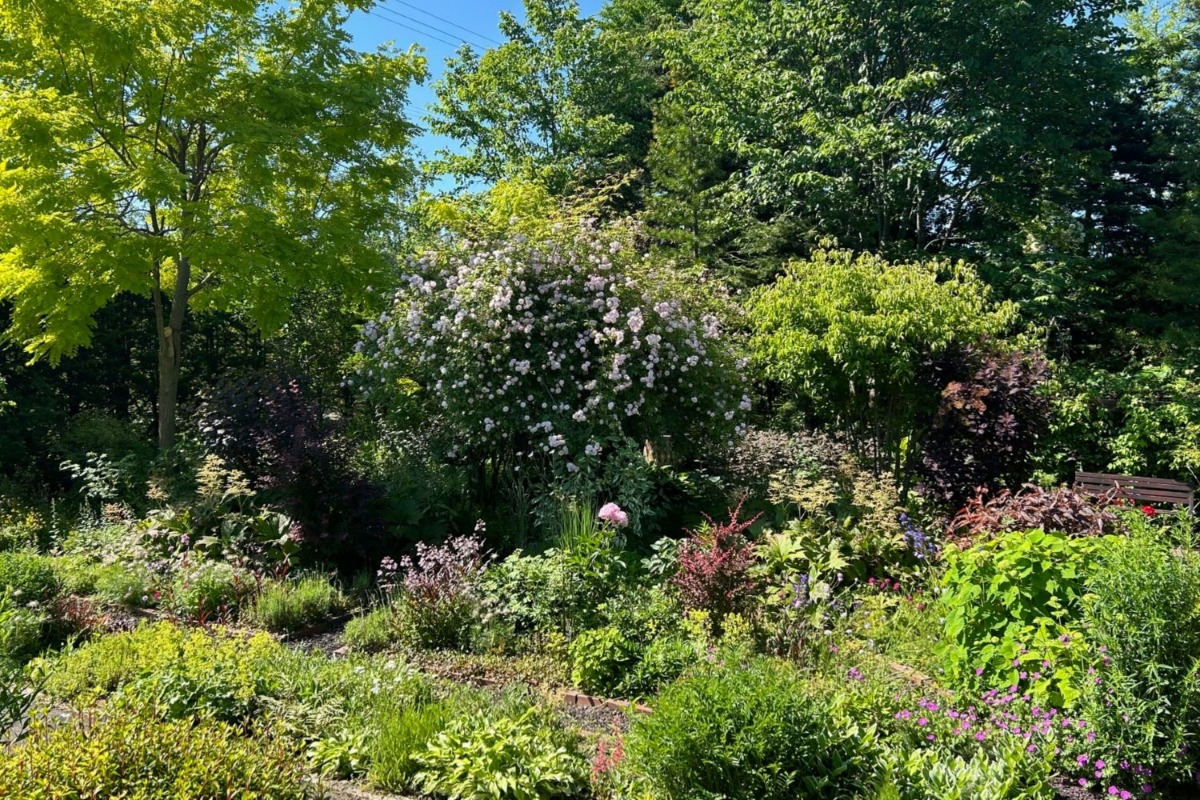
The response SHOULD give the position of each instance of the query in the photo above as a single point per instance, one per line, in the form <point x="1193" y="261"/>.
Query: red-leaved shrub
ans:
<point x="1033" y="507"/>
<point x="991" y="413"/>
<point x="714" y="567"/>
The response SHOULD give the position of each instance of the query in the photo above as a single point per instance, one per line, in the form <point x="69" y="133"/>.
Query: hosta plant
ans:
<point x="509" y="758"/>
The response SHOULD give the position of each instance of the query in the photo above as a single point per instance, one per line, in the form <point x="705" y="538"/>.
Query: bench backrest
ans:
<point x="1146" y="490"/>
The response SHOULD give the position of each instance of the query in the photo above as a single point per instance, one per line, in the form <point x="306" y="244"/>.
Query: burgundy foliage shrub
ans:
<point x="297" y="457"/>
<point x="441" y="589"/>
<point x="714" y="567"/>
<point x="987" y="423"/>
<point x="1061" y="509"/>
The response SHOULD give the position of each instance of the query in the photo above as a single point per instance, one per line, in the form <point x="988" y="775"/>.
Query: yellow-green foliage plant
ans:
<point x="102" y="666"/>
<point x="846" y="334"/>
<point x="133" y="753"/>
<point x="256" y="199"/>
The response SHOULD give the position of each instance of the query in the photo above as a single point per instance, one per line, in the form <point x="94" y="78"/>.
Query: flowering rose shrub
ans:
<point x="555" y="350"/>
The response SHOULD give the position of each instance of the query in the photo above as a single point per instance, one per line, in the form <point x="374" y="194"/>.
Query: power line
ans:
<point x="447" y="21"/>
<point x="411" y="28"/>
<point x="422" y="23"/>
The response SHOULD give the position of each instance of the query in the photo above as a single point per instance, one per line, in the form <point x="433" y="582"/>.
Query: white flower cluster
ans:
<point x="554" y="348"/>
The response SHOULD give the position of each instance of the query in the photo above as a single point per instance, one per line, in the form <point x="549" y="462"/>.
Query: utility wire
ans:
<point x="451" y="23"/>
<point x="393" y="14"/>
<point x="411" y="28"/>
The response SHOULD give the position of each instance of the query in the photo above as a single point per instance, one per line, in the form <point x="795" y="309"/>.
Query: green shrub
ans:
<point x="292" y="605"/>
<point x="22" y="631"/>
<point x="105" y="664"/>
<point x="100" y="542"/>
<point x="600" y="658"/>
<point x="77" y="574"/>
<point x="132" y="753"/>
<point x="401" y="734"/>
<point x="29" y="576"/>
<point x="663" y="661"/>
<point x="644" y="614"/>
<point x="122" y="584"/>
<point x="206" y="588"/>
<point x="846" y="335"/>
<point x="1143" y="620"/>
<point x="1144" y="420"/>
<point x="561" y="589"/>
<point x="642" y="647"/>
<point x="903" y="628"/>
<point x="502" y="758"/>
<point x="746" y="731"/>
<point x="372" y="632"/>
<point x="1012" y="606"/>
<point x="20" y="527"/>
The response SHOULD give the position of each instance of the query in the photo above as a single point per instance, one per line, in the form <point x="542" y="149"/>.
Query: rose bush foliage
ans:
<point x="556" y="350"/>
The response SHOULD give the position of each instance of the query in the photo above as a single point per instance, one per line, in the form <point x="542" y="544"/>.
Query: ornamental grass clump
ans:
<point x="294" y="604"/>
<point x="556" y="351"/>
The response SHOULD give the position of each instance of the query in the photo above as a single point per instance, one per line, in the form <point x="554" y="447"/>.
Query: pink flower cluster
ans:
<point x="613" y="515"/>
<point x="1010" y="713"/>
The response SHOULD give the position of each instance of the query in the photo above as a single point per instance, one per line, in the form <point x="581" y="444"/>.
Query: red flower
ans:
<point x="1149" y="511"/>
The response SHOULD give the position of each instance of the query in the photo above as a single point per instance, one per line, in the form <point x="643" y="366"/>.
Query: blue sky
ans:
<point x="438" y="27"/>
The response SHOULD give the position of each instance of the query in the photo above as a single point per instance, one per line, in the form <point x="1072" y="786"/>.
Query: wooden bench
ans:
<point x="1143" y="490"/>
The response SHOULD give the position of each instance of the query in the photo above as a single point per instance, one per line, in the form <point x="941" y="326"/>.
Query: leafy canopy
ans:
<point x="931" y="124"/>
<point x="228" y="151"/>
<point x="561" y="102"/>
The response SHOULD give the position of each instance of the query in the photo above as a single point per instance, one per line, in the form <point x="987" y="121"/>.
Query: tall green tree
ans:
<point x="1162" y="287"/>
<point x="565" y="101"/>
<point x="209" y="154"/>
<point x="847" y="337"/>
<point x="922" y="126"/>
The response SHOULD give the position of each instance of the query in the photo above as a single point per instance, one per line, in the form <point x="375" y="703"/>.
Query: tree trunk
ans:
<point x="170" y="354"/>
<point x="168" y="384"/>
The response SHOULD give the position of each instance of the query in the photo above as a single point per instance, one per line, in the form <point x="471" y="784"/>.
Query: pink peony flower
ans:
<point x="612" y="513"/>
